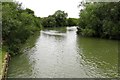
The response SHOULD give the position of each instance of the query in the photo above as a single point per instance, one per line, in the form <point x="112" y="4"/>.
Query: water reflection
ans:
<point x="55" y="56"/>
<point x="20" y="67"/>
<point x="100" y="56"/>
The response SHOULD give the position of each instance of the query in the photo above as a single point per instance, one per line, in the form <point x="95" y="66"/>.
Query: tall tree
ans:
<point x="58" y="19"/>
<point x="61" y="18"/>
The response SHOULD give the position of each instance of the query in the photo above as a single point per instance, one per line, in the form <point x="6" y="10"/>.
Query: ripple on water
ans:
<point x="59" y="54"/>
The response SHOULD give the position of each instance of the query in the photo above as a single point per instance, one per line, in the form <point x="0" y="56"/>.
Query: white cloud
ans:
<point x="43" y="8"/>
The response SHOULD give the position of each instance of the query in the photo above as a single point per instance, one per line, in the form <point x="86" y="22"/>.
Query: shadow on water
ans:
<point x="19" y="65"/>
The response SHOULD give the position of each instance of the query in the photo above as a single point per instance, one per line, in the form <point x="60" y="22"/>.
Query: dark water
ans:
<point x="60" y="53"/>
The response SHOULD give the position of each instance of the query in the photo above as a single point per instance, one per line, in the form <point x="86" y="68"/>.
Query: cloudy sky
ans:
<point x="43" y="8"/>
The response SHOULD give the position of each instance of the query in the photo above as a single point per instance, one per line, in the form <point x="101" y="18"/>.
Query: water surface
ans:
<point x="59" y="53"/>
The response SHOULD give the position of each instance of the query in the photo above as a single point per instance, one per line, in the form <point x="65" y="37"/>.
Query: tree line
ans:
<point x="100" y="20"/>
<point x="58" y="19"/>
<point x="96" y="20"/>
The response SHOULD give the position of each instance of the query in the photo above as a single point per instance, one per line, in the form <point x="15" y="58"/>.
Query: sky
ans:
<point x="43" y="8"/>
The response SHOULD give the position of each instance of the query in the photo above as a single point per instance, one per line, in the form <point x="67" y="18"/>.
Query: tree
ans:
<point x="17" y="26"/>
<point x="100" y="20"/>
<point x="72" y="22"/>
<point x="58" y="19"/>
<point x="49" y="21"/>
<point x="61" y="18"/>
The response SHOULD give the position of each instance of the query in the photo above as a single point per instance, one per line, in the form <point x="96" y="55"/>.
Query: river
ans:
<point x="61" y="53"/>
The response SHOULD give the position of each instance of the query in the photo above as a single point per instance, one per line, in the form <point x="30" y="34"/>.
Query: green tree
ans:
<point x="72" y="22"/>
<point x="58" y="19"/>
<point x="100" y="20"/>
<point x="17" y="26"/>
<point x="61" y="18"/>
<point x="49" y="21"/>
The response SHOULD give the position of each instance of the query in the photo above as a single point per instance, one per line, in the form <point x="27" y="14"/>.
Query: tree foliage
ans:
<point x="17" y="25"/>
<point x="49" y="21"/>
<point x="100" y="20"/>
<point x="58" y="19"/>
<point x="72" y="22"/>
<point x="61" y="18"/>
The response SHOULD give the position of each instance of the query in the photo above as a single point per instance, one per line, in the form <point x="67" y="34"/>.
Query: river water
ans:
<point x="61" y="53"/>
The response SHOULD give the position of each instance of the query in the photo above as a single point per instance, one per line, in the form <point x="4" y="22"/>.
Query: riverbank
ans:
<point x="5" y="57"/>
<point x="24" y="47"/>
<point x="5" y="63"/>
<point x="2" y="55"/>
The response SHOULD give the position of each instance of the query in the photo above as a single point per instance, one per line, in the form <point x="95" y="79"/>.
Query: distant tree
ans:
<point x="72" y="22"/>
<point x="61" y="18"/>
<point x="58" y="19"/>
<point x="49" y="21"/>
